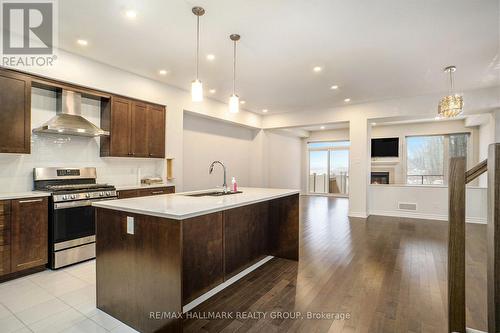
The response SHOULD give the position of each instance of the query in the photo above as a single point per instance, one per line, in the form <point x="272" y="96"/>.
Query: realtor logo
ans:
<point x="28" y="32"/>
<point x="27" y="28"/>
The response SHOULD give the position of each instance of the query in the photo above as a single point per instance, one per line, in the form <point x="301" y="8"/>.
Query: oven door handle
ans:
<point x="79" y="203"/>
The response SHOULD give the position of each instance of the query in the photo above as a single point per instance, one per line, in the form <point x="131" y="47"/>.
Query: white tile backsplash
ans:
<point x="16" y="170"/>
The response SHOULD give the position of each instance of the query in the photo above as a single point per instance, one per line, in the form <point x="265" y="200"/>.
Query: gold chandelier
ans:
<point x="452" y="105"/>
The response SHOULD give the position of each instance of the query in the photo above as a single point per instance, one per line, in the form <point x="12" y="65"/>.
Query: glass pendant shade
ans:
<point x="234" y="103"/>
<point x="196" y="91"/>
<point x="450" y="106"/>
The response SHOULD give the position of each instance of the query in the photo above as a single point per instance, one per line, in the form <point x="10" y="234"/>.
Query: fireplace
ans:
<point x="380" y="178"/>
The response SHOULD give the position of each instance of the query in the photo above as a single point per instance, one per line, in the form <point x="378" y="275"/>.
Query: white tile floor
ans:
<point x="55" y="301"/>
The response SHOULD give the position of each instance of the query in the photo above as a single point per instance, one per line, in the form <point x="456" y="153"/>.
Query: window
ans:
<point x="427" y="157"/>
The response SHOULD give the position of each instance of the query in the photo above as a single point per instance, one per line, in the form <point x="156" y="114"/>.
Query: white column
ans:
<point x="359" y="134"/>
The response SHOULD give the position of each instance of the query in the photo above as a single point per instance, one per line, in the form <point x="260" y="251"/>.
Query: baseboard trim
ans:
<point x="438" y="217"/>
<point x="358" y="214"/>
<point x="194" y="303"/>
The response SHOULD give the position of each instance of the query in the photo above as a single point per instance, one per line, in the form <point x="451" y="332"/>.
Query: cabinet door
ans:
<point x="4" y="260"/>
<point x="139" y="130"/>
<point x="124" y="194"/>
<point x="29" y="223"/>
<point x="15" y="113"/>
<point x="120" y="127"/>
<point x="245" y="237"/>
<point x="156" y="131"/>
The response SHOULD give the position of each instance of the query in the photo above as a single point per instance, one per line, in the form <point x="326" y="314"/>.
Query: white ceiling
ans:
<point x="372" y="49"/>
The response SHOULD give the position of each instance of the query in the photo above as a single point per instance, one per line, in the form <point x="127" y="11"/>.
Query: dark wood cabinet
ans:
<point x="29" y="230"/>
<point x="144" y="192"/>
<point x="4" y="260"/>
<point x="156" y="131"/>
<point x="15" y="113"/>
<point x="202" y="255"/>
<point x="137" y="129"/>
<point x="245" y="236"/>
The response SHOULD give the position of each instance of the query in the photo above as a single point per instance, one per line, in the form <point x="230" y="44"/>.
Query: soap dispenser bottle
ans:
<point x="234" y="185"/>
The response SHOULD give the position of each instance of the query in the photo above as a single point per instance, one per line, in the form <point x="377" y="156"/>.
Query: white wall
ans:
<point x="206" y="140"/>
<point x="283" y="157"/>
<point x="432" y="202"/>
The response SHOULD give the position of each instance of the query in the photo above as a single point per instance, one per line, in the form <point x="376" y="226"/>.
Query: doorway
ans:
<point x="329" y="168"/>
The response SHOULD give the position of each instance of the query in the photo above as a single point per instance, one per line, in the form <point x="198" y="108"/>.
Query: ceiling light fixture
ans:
<point x="322" y="127"/>
<point x="265" y="110"/>
<point x="317" y="69"/>
<point x="347" y="100"/>
<point x="82" y="42"/>
<point x="234" y="100"/>
<point x="452" y="105"/>
<point x="334" y="87"/>
<point x="196" y="85"/>
<point x="162" y="72"/>
<point x="210" y="57"/>
<point x="242" y="102"/>
<point x="131" y="14"/>
<point x="212" y="91"/>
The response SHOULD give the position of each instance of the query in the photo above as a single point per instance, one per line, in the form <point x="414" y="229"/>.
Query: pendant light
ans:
<point x="234" y="100"/>
<point x="450" y="106"/>
<point x="196" y="85"/>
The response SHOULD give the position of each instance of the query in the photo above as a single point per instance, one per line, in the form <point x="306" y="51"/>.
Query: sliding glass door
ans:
<point x="329" y="168"/>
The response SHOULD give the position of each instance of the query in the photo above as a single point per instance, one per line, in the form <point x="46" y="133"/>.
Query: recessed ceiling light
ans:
<point x="242" y="102"/>
<point x="347" y="100"/>
<point x="322" y="127"/>
<point x="374" y="124"/>
<point x="210" y="57"/>
<point x="334" y="87"/>
<point x="131" y="14"/>
<point x="265" y="110"/>
<point x="437" y="118"/>
<point x="212" y="91"/>
<point x="317" y="69"/>
<point x="82" y="42"/>
<point x="162" y="72"/>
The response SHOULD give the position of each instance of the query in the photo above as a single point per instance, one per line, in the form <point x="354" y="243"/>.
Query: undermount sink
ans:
<point x="212" y="194"/>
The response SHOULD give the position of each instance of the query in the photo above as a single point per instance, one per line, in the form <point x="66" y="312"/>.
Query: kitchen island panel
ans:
<point x="139" y="273"/>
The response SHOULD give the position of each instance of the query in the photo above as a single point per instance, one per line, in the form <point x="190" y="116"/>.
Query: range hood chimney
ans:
<point x="68" y="119"/>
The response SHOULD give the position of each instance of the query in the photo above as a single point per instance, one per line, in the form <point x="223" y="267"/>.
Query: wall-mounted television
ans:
<point x="387" y="147"/>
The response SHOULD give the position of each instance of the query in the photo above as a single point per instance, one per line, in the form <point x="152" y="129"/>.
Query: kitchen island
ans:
<point x="158" y="257"/>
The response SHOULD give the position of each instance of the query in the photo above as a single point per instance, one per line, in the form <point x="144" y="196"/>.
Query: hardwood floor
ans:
<point x="386" y="274"/>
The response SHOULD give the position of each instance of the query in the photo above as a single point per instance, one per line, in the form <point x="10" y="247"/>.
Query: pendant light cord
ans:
<point x="452" y="85"/>
<point x="234" y="68"/>
<point x="197" y="46"/>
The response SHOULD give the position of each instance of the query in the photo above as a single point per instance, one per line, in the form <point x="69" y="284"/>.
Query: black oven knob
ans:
<point x="101" y="194"/>
<point x="87" y="195"/>
<point x="73" y="196"/>
<point x="108" y="193"/>
<point x="65" y="197"/>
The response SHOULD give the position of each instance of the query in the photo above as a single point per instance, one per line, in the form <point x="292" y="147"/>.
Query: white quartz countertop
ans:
<point x="180" y="206"/>
<point x="142" y="186"/>
<point x="21" y="195"/>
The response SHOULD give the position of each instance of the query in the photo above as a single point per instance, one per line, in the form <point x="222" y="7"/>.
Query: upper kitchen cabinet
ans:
<point x="156" y="130"/>
<point x="15" y="113"/>
<point x="137" y="129"/>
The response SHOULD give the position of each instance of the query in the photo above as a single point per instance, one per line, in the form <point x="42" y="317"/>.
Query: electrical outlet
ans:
<point x="130" y="225"/>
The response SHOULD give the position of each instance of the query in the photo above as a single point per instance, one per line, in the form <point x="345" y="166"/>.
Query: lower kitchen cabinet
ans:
<point x="145" y="192"/>
<point x="23" y="234"/>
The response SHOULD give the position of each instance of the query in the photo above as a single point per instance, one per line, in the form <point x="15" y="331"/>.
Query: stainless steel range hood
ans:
<point x="68" y="119"/>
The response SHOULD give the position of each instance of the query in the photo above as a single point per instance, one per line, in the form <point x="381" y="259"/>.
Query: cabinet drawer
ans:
<point x="124" y="194"/>
<point x="4" y="260"/>
<point x="4" y="237"/>
<point x="4" y="222"/>
<point x="4" y="207"/>
<point x="156" y="191"/>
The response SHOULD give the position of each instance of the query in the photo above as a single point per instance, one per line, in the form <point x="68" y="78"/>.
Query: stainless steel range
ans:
<point x="71" y="215"/>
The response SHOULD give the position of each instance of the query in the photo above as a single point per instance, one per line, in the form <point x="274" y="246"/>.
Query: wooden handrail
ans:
<point x="476" y="171"/>
<point x="493" y="238"/>
<point x="456" y="245"/>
